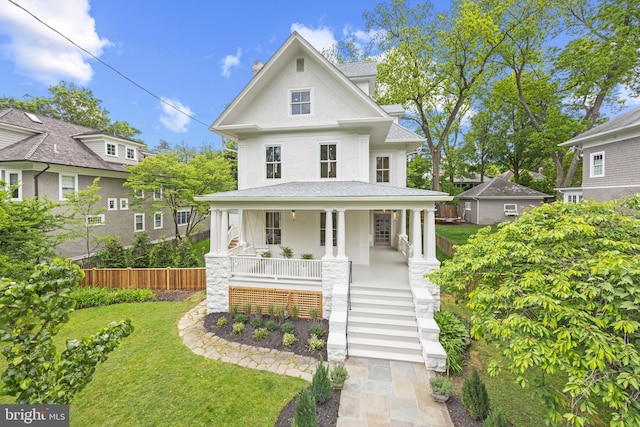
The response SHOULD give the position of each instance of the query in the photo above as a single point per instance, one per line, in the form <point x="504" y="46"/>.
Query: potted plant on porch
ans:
<point x="441" y="388"/>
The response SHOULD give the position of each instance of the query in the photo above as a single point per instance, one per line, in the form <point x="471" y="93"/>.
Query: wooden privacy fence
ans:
<point x="304" y="300"/>
<point x="162" y="279"/>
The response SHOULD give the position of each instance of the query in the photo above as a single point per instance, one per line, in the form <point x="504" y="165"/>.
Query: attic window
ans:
<point x="300" y="64"/>
<point x="33" y="117"/>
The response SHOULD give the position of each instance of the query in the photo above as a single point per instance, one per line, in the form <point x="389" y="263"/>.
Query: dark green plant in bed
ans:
<point x="305" y="411"/>
<point x="256" y="322"/>
<point x="475" y="397"/>
<point x="316" y="330"/>
<point x="454" y="338"/>
<point x="271" y="325"/>
<point x="287" y="328"/>
<point x="321" y="384"/>
<point x="241" y="318"/>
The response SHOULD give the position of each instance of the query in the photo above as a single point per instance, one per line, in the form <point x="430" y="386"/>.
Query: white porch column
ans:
<point x="430" y="235"/>
<point x="403" y="222"/>
<point x="341" y="235"/>
<point x="214" y="233"/>
<point x="243" y="238"/>
<point x="224" y="231"/>
<point x="328" y="234"/>
<point x="416" y="238"/>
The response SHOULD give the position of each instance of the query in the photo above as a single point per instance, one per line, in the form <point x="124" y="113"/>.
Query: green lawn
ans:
<point x="458" y="234"/>
<point x="152" y="379"/>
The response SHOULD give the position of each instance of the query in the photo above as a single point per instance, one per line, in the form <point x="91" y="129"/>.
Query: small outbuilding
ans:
<point x="497" y="200"/>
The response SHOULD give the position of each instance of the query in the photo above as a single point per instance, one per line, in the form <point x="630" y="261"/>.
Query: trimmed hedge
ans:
<point x="94" y="296"/>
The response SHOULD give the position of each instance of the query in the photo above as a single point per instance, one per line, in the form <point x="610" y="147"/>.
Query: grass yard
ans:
<point x="458" y="234"/>
<point x="152" y="379"/>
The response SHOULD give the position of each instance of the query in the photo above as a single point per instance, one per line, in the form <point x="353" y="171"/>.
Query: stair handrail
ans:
<point x="348" y="307"/>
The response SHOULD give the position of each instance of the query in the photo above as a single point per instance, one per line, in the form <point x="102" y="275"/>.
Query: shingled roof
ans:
<point x="499" y="188"/>
<point x="55" y="142"/>
<point x="629" y="120"/>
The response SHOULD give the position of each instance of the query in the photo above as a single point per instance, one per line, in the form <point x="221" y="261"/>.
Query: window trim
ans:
<point x="155" y="222"/>
<point x="61" y="195"/>
<point x="134" y="151"/>
<point x="138" y="194"/>
<point x="135" y="222"/>
<point x="267" y="163"/>
<point x="592" y="173"/>
<point x="124" y="204"/>
<point x="383" y="170"/>
<point x="106" y="149"/>
<point x="178" y="214"/>
<point x="112" y="204"/>
<point x="290" y="102"/>
<point x="157" y="196"/>
<point x="271" y="226"/>
<point x="328" y="161"/>
<point x="511" y="211"/>
<point x="100" y="217"/>
<point x="7" y="180"/>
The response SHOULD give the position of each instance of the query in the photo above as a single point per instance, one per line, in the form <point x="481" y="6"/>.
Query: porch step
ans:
<point x="379" y="294"/>
<point x="358" y="320"/>
<point x="384" y="349"/>
<point x="395" y="303"/>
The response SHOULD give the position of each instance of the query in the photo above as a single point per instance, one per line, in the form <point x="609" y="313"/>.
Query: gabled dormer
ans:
<point x="112" y="148"/>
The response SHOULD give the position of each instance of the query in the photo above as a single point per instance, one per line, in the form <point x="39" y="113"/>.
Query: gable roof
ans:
<point x="621" y="127"/>
<point x="499" y="188"/>
<point x="53" y="141"/>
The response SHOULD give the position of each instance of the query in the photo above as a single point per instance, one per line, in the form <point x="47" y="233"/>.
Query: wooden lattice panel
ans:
<point x="305" y="300"/>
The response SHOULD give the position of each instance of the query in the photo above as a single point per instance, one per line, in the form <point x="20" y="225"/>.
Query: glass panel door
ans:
<point x="382" y="229"/>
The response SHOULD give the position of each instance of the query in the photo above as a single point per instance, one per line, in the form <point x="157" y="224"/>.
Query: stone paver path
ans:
<point x="378" y="392"/>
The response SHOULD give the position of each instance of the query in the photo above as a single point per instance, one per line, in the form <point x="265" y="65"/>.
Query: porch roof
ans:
<point x="314" y="195"/>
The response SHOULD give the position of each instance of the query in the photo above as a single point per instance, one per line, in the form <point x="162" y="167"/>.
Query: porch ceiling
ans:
<point x="322" y="194"/>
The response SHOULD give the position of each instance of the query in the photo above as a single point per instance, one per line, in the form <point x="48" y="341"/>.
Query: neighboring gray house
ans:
<point x="497" y="200"/>
<point x="51" y="158"/>
<point x="611" y="159"/>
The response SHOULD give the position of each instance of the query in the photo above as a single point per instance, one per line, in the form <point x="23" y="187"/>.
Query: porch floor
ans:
<point x="387" y="267"/>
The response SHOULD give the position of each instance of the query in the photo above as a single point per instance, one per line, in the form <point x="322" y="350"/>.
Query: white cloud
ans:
<point x="231" y="61"/>
<point x="630" y="99"/>
<point x="320" y="38"/>
<point x="41" y="53"/>
<point x="171" y="118"/>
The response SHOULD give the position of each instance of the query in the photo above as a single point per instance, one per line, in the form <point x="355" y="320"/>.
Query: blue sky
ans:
<point x="195" y="54"/>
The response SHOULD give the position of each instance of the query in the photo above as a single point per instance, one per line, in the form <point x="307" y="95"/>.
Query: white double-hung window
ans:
<point x="597" y="165"/>
<point x="300" y="102"/>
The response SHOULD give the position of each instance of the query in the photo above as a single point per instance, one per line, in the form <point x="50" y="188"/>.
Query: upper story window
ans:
<point x="300" y="102"/>
<point x="157" y="194"/>
<point x="112" y="204"/>
<point x="273" y="231"/>
<point x="95" y="219"/>
<point x="597" y="164"/>
<point x="131" y="153"/>
<point x="124" y="204"/>
<point x="182" y="217"/>
<point x="112" y="149"/>
<point x="274" y="162"/>
<point x="382" y="169"/>
<point x="328" y="160"/>
<point x="138" y="194"/>
<point x="157" y="220"/>
<point x="138" y="222"/>
<point x="68" y="185"/>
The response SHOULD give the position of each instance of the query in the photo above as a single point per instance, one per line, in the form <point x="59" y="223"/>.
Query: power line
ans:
<point x="109" y="66"/>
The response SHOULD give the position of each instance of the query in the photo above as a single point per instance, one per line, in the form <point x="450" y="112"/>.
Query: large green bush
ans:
<point x="454" y="338"/>
<point x="96" y="296"/>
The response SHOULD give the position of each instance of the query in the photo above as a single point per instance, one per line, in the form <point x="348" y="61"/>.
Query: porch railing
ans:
<point x="404" y="246"/>
<point x="276" y="268"/>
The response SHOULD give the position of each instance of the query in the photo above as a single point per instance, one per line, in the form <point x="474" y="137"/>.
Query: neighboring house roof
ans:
<point x="322" y="191"/>
<point x="499" y="188"/>
<point x="55" y="142"/>
<point x="509" y="174"/>
<point x="624" y="126"/>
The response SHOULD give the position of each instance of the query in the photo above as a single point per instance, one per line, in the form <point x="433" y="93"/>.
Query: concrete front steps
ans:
<point x="382" y="324"/>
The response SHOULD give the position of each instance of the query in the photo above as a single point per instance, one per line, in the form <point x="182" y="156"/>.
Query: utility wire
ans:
<point x="109" y="66"/>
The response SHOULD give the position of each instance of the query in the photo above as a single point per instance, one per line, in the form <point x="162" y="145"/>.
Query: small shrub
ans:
<point x="234" y="310"/>
<point x="238" y="328"/>
<point x="305" y="411"/>
<point x="289" y="339"/>
<point x="260" y="334"/>
<point x="320" y="384"/>
<point x="338" y="374"/>
<point x="271" y="309"/>
<point x="314" y="313"/>
<point x="241" y="318"/>
<point x="441" y="385"/>
<point x="286" y="252"/>
<point x="306" y="255"/>
<point x="474" y="396"/>
<point x="496" y="418"/>
<point x="256" y="322"/>
<point x="247" y="308"/>
<point x="315" y="343"/>
<point x="259" y="310"/>
<point x="265" y="254"/>
<point x="454" y="337"/>
<point x="281" y="313"/>
<point x="271" y="326"/>
<point x="287" y="328"/>
<point x="295" y="312"/>
<point x="222" y="322"/>
<point x="316" y="330"/>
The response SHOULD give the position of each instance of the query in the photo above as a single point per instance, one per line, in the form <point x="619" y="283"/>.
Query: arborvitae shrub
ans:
<point x="112" y="254"/>
<point x="475" y="397"/>
<point x="161" y="255"/>
<point x="496" y="418"/>
<point x="140" y="251"/>
<point x="321" y="384"/>
<point x="305" y="412"/>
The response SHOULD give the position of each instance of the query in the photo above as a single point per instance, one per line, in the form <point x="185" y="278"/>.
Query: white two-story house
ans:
<point x="322" y="171"/>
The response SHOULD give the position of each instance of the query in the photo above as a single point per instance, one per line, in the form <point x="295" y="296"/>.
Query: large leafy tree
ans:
<point x="82" y="207"/>
<point x="72" y="104"/>
<point x="176" y="180"/>
<point x="31" y="313"/>
<point x="558" y="291"/>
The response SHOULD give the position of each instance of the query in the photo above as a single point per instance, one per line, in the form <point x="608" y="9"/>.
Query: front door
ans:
<point x="382" y="229"/>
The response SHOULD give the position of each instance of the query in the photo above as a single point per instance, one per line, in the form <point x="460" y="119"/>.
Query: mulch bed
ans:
<point x="459" y="415"/>
<point x="327" y="412"/>
<point x="274" y="340"/>
<point x="174" y="295"/>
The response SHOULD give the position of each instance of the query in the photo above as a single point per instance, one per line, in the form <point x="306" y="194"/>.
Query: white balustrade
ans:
<point x="278" y="268"/>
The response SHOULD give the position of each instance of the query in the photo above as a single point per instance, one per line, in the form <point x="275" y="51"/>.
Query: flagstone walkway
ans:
<point x="378" y="392"/>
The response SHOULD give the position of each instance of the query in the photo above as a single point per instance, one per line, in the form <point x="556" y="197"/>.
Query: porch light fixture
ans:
<point x="395" y="214"/>
<point x="293" y="214"/>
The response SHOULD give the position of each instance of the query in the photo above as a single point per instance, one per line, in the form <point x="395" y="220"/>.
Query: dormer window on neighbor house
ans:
<point x="131" y="153"/>
<point x="300" y="102"/>
<point x="274" y="162"/>
<point x="111" y="149"/>
<point x="382" y="169"/>
<point x="328" y="160"/>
